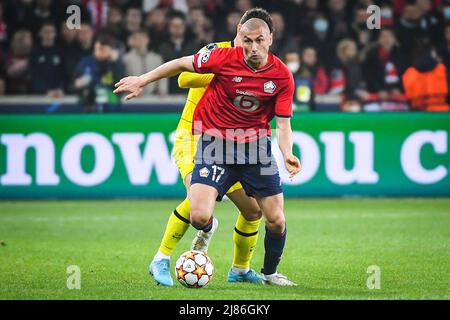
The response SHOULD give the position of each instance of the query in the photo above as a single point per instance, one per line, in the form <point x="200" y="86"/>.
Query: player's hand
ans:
<point x="293" y="165"/>
<point x="131" y="85"/>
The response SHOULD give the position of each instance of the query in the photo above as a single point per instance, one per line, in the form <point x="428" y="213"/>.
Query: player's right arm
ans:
<point x="188" y="80"/>
<point x="202" y="62"/>
<point x="134" y="85"/>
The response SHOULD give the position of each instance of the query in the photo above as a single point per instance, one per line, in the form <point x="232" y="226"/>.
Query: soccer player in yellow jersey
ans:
<point x="245" y="233"/>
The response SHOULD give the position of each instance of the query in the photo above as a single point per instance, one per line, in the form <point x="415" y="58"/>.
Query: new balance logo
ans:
<point x="237" y="79"/>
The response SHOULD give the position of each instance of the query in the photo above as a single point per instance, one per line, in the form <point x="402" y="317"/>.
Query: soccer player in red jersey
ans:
<point x="250" y="87"/>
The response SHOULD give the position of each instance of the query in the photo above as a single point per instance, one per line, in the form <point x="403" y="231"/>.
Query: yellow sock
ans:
<point x="176" y="227"/>
<point x="245" y="236"/>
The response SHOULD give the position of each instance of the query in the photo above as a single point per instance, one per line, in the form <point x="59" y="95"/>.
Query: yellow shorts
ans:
<point x="184" y="148"/>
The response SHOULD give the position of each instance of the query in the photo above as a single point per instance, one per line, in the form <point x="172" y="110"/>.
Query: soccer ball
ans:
<point x="194" y="269"/>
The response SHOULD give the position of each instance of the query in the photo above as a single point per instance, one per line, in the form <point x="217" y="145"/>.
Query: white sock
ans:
<point x="159" y="256"/>
<point x="240" y="270"/>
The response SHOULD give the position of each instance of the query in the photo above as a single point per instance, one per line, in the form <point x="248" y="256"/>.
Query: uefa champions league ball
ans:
<point x="194" y="269"/>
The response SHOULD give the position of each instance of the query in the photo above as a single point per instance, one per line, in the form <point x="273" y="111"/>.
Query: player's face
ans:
<point x="102" y="52"/>
<point x="256" y="45"/>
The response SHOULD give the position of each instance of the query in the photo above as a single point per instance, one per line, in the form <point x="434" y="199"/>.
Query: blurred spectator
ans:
<point x="302" y="93"/>
<point x="115" y="20"/>
<point x="243" y="5"/>
<point x="387" y="15"/>
<point x="319" y="38"/>
<point x="177" y="45"/>
<point x="46" y="64"/>
<point x="302" y="16"/>
<point x="71" y="50"/>
<point x="339" y="20"/>
<point x="17" y="63"/>
<point x="282" y="40"/>
<point x="446" y="11"/>
<point x="384" y="65"/>
<point x="350" y="75"/>
<point x="96" y="75"/>
<point x="2" y="74"/>
<point x="201" y="26"/>
<point x="85" y="40"/>
<point x="19" y="13"/>
<point x="2" y="86"/>
<point x="358" y="27"/>
<point x="444" y="50"/>
<point x="156" y="24"/>
<point x="309" y="76"/>
<point x="408" y="28"/>
<point x="43" y="11"/>
<point x="425" y="82"/>
<point x="98" y="11"/>
<point x="3" y="26"/>
<point x="417" y="23"/>
<point x="140" y="60"/>
<point x="313" y="66"/>
<point x="179" y="5"/>
<point x="133" y="23"/>
<point x="229" y="30"/>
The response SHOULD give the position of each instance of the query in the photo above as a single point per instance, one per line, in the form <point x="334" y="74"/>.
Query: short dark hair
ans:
<point x="47" y="23"/>
<point x="258" y="13"/>
<point x="176" y="14"/>
<point x="106" y="39"/>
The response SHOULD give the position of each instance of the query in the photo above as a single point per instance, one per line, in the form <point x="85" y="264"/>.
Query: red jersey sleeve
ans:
<point x="283" y="104"/>
<point x="211" y="61"/>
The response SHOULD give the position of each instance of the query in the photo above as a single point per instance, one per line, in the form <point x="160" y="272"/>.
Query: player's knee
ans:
<point x="252" y="215"/>
<point x="199" y="219"/>
<point x="276" y="224"/>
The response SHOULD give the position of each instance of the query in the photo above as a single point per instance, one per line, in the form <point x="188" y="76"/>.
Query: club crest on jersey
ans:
<point x="211" y="46"/>
<point x="269" y="87"/>
<point x="204" y="172"/>
<point x="237" y="79"/>
<point x="205" y="56"/>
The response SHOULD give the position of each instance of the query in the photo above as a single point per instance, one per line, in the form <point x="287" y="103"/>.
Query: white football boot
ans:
<point x="202" y="239"/>
<point x="277" y="279"/>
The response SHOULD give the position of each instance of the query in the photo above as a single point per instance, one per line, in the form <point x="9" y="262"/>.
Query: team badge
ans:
<point x="204" y="172"/>
<point x="269" y="87"/>
<point x="211" y="46"/>
<point x="205" y="56"/>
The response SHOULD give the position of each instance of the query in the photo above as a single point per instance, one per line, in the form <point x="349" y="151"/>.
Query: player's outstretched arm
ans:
<point x="189" y="80"/>
<point x="284" y="137"/>
<point x="134" y="85"/>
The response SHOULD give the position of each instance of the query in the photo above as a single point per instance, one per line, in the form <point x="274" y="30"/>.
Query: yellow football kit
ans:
<point x="246" y="232"/>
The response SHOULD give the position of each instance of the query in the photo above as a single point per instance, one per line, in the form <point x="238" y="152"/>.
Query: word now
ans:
<point x="143" y="154"/>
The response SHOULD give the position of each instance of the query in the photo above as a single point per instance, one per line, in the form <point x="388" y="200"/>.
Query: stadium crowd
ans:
<point x="326" y="44"/>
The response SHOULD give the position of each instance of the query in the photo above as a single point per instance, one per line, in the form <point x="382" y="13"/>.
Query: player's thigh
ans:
<point x="260" y="180"/>
<point x="248" y="206"/>
<point x="203" y="199"/>
<point x="272" y="208"/>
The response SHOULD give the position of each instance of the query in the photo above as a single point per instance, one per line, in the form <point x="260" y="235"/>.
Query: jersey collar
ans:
<point x="267" y="66"/>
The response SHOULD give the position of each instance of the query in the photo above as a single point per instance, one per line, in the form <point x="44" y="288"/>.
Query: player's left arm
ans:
<point x="283" y="111"/>
<point x="284" y="137"/>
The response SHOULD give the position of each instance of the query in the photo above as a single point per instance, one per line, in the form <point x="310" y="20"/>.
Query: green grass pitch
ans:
<point x="330" y="245"/>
